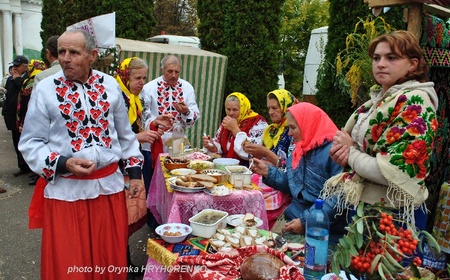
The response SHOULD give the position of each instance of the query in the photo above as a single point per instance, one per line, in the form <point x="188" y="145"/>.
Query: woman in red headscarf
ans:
<point x="307" y="168"/>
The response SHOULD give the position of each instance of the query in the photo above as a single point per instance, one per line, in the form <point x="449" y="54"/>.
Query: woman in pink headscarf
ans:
<point x="307" y="168"/>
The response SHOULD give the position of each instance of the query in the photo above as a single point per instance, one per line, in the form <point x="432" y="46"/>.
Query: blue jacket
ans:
<point x="304" y="185"/>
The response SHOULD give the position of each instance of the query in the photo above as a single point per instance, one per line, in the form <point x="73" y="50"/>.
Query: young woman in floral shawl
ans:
<point x="275" y="149"/>
<point x="386" y="144"/>
<point x="240" y="124"/>
<point x="34" y="67"/>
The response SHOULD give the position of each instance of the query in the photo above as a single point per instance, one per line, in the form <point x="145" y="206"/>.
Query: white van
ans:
<point x="314" y="56"/>
<point x="190" y="41"/>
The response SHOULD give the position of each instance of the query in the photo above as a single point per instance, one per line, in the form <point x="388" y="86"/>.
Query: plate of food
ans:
<point x="178" y="185"/>
<point x="200" y="165"/>
<point x="182" y="171"/>
<point x="191" y="183"/>
<point x="246" y="219"/>
<point x="219" y="190"/>
<point x="197" y="156"/>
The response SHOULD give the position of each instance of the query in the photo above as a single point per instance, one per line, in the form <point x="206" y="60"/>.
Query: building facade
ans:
<point x="20" y="25"/>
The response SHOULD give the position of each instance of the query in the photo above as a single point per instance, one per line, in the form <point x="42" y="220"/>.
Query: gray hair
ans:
<point x="137" y="63"/>
<point x="170" y="59"/>
<point x="233" y="98"/>
<point x="88" y="38"/>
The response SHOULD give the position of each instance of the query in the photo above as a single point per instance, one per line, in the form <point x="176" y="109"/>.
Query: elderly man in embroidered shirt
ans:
<point x="170" y="95"/>
<point x="75" y="132"/>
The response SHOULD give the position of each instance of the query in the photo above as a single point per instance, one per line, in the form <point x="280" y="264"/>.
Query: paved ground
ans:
<point x="20" y="247"/>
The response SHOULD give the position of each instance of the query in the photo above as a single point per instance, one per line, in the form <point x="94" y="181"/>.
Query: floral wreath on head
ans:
<point x="35" y="66"/>
<point x="123" y="71"/>
<point x="123" y="78"/>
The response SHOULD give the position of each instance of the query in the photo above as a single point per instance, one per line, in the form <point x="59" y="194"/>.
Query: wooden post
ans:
<point x="415" y="19"/>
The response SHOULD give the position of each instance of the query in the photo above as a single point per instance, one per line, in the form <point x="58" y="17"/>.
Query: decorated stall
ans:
<point x="204" y="70"/>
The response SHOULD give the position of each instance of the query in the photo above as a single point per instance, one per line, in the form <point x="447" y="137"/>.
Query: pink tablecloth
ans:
<point x="178" y="207"/>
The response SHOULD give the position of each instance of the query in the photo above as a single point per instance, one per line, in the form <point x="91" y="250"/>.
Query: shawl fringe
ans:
<point x="348" y="188"/>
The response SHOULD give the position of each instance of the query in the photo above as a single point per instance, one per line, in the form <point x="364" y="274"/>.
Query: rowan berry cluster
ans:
<point x="379" y="245"/>
<point x="388" y="245"/>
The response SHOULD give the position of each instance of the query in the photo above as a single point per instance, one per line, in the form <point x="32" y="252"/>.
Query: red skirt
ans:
<point x="85" y="239"/>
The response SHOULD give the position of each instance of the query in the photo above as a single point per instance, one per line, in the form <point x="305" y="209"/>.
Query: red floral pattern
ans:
<point x="405" y="132"/>
<point x="84" y="126"/>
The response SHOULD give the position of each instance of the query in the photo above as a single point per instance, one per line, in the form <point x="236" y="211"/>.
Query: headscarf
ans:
<point x="273" y="132"/>
<point x="35" y="66"/>
<point x="245" y="108"/>
<point x="123" y="78"/>
<point x="316" y="127"/>
<point x="246" y="120"/>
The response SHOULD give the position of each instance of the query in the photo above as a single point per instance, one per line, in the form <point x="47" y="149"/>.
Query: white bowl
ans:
<point x="220" y="163"/>
<point x="207" y="227"/>
<point x="173" y="232"/>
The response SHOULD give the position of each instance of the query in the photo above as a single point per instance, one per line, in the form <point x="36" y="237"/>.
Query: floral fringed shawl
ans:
<point x="400" y="132"/>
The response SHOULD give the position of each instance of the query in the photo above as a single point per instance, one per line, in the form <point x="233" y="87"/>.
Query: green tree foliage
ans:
<point x="51" y="22"/>
<point x="176" y="17"/>
<point x="134" y="18"/>
<point x="333" y="94"/>
<point x="345" y="14"/>
<point x="299" y="18"/>
<point x="250" y="32"/>
<point x="210" y="27"/>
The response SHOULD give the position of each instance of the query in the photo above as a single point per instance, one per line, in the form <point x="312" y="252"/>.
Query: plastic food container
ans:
<point x="206" y="222"/>
<point x="239" y="176"/>
<point x="220" y="175"/>
<point x="221" y="163"/>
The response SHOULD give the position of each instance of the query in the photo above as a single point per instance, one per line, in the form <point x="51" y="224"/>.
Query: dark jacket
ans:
<point x="13" y="87"/>
<point x="304" y="185"/>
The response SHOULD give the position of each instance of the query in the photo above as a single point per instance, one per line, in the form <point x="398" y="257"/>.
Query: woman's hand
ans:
<point x="231" y="124"/>
<point x="295" y="226"/>
<point x="342" y="137"/>
<point x="148" y="136"/>
<point x="339" y="154"/>
<point x="260" y="167"/>
<point x="340" y="150"/>
<point x="256" y="150"/>
<point x="164" y="122"/>
<point x="208" y="144"/>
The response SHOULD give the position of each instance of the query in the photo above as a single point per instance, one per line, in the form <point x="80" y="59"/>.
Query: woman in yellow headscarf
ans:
<point x="131" y="76"/>
<point x="34" y="67"/>
<point x="276" y="144"/>
<point x="275" y="149"/>
<point x="240" y="124"/>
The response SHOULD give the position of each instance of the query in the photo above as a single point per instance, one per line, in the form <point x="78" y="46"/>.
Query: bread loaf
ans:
<point x="206" y="184"/>
<point x="203" y="177"/>
<point x="261" y="266"/>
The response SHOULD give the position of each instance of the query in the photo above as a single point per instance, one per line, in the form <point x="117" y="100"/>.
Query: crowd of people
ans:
<point x="81" y="131"/>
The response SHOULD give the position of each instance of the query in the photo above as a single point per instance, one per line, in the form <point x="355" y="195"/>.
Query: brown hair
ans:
<point x="405" y="45"/>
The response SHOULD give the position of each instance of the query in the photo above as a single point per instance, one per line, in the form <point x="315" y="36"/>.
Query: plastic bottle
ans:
<point x="316" y="248"/>
<point x="177" y="140"/>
